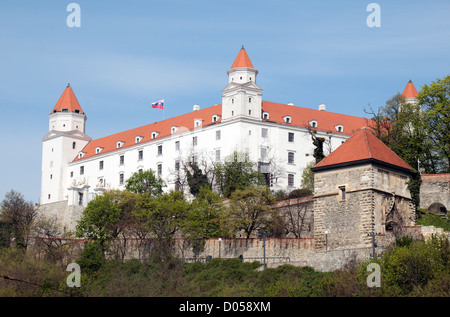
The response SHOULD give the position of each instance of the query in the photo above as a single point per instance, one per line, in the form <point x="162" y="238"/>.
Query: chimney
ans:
<point x="322" y="107"/>
<point x="196" y="108"/>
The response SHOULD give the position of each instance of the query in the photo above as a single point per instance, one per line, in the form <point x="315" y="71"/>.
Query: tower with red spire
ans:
<point x="410" y="93"/>
<point x="64" y="141"/>
<point x="242" y="97"/>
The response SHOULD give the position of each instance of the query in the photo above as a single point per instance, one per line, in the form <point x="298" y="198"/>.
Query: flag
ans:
<point x="158" y="104"/>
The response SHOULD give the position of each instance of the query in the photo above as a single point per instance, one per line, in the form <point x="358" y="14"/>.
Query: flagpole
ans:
<point x="164" y="106"/>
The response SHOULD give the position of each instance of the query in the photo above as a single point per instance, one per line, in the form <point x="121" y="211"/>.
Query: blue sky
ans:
<point x="127" y="54"/>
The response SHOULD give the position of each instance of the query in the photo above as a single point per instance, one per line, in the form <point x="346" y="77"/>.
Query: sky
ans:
<point x="127" y="54"/>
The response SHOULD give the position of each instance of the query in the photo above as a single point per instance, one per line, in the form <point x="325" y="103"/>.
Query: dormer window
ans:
<point x="265" y="115"/>
<point x="174" y="129"/>
<point x="155" y="135"/>
<point x="313" y="124"/>
<point x="339" y="128"/>
<point x="138" y="139"/>
<point x="287" y="119"/>
<point x="119" y="144"/>
<point x="81" y="154"/>
<point x="198" y="123"/>
<point x="98" y="150"/>
<point x="215" y="118"/>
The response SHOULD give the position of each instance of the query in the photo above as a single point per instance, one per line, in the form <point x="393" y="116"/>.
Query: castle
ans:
<point x="76" y="168"/>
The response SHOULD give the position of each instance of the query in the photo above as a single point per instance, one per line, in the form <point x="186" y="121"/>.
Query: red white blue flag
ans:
<point x="158" y="104"/>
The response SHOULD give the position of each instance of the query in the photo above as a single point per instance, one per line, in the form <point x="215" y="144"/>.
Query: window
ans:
<point x="177" y="166"/>
<point x="250" y="100"/>
<point x="71" y="174"/>
<point x="177" y="145"/>
<point x="287" y="119"/>
<point x="49" y="196"/>
<point x="342" y="193"/>
<point x="290" y="157"/>
<point x="100" y="165"/>
<point x="291" y="180"/>
<point x="74" y="144"/>
<point x="264" y="132"/>
<point x="218" y="135"/>
<point x="263" y="154"/>
<point x="138" y="139"/>
<point x="249" y="112"/>
<point x="217" y="155"/>
<point x="119" y="144"/>
<point x="159" y="149"/>
<point x="291" y="137"/>
<point x="265" y="115"/>
<point x="122" y="159"/>
<point x="140" y="155"/>
<point x="51" y="176"/>
<point x="81" y="170"/>
<point x="194" y="141"/>
<point x="159" y="169"/>
<point x="80" y="199"/>
<point x="232" y="113"/>
<point x="121" y="178"/>
<point x="313" y="124"/>
<point x="339" y="128"/>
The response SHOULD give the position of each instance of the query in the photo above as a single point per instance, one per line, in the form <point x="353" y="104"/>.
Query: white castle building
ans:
<point x="75" y="167"/>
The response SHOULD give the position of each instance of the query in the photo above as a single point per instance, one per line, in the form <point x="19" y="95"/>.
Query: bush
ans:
<point x="91" y="258"/>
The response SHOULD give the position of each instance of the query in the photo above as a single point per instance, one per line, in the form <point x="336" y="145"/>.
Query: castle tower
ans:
<point x="242" y="98"/>
<point x="65" y="139"/>
<point x="410" y="93"/>
<point x="360" y="189"/>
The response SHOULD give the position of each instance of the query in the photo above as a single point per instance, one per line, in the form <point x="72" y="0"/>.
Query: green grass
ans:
<point x="433" y="220"/>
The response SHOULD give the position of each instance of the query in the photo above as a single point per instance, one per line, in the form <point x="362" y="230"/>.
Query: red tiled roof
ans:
<point x="326" y="121"/>
<point x="184" y="122"/>
<point x="362" y="146"/>
<point x="299" y="117"/>
<point x="68" y="101"/>
<point x="242" y="60"/>
<point x="410" y="91"/>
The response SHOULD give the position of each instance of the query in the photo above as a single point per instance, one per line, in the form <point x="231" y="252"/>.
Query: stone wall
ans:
<point x="66" y="216"/>
<point x="435" y="188"/>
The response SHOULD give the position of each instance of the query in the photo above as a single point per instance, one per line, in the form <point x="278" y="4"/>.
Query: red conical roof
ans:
<point x="68" y="101"/>
<point x="242" y="60"/>
<point x="363" y="146"/>
<point x="410" y="91"/>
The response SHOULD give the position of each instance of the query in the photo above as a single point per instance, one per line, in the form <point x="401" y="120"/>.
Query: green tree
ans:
<point x="249" y="210"/>
<point x="435" y="102"/>
<point x="99" y="220"/>
<point x="145" y="182"/>
<point x="163" y="215"/>
<point x="196" y="178"/>
<point x="202" y="219"/>
<point x="308" y="177"/>
<point x="237" y="172"/>
<point x="20" y="215"/>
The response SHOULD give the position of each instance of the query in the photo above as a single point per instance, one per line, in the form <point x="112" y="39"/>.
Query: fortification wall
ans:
<point x="435" y="188"/>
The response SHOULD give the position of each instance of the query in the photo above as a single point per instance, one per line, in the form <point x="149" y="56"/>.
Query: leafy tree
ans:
<point x="145" y="182"/>
<point x="435" y="101"/>
<point x="20" y="214"/>
<point x="162" y="215"/>
<point x="203" y="217"/>
<point x="196" y="178"/>
<point x="308" y="177"/>
<point x="237" y="172"/>
<point x="249" y="210"/>
<point x="99" y="220"/>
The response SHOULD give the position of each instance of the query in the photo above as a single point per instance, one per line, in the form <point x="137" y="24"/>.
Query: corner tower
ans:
<point x="242" y="97"/>
<point x="65" y="139"/>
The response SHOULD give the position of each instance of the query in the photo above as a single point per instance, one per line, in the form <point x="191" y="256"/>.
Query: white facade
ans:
<point x="70" y="171"/>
